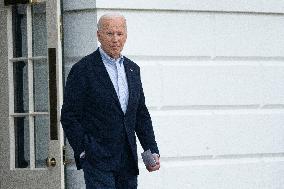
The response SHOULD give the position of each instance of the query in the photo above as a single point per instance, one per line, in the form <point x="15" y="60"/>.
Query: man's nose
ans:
<point x="115" y="38"/>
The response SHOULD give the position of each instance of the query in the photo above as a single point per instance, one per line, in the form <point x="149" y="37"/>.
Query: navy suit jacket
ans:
<point x="92" y="117"/>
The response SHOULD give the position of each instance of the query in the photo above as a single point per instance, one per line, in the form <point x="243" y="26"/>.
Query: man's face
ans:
<point x="112" y="36"/>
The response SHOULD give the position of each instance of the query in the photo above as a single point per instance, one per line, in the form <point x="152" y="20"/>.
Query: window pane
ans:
<point x="39" y="30"/>
<point x="41" y="139"/>
<point x="21" y="93"/>
<point x="40" y="86"/>
<point x="22" y="138"/>
<point x="19" y="20"/>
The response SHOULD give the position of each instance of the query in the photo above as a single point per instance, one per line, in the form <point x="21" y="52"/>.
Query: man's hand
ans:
<point x="157" y="166"/>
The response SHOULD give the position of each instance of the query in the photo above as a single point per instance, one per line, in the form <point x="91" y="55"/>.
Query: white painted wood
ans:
<point x="202" y="34"/>
<point x="249" y="35"/>
<point x="212" y="74"/>
<point x="31" y="177"/>
<point x="54" y="41"/>
<point x="169" y="33"/>
<point x="263" y="173"/>
<point x="273" y="79"/>
<point x="181" y="83"/>
<point x="186" y="83"/>
<point x="11" y="89"/>
<point x="19" y="59"/>
<point x="152" y="82"/>
<point x="30" y="88"/>
<point x="272" y="6"/>
<point x="32" y="142"/>
<point x="60" y="85"/>
<point x="211" y="85"/>
<point x="183" y="133"/>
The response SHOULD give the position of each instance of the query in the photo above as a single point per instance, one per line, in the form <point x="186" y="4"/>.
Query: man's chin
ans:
<point x="116" y="50"/>
<point x="116" y="53"/>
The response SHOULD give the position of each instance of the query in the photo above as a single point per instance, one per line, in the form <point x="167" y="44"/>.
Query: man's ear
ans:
<point x="98" y="36"/>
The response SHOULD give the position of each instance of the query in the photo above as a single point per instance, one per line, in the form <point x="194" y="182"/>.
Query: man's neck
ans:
<point x="110" y="56"/>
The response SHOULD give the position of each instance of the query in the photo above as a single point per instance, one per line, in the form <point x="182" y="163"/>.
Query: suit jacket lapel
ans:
<point x="103" y="76"/>
<point x="130" y="81"/>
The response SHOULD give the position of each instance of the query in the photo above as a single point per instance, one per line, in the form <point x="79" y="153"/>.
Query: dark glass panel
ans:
<point x="21" y="90"/>
<point x="22" y="141"/>
<point x="19" y="20"/>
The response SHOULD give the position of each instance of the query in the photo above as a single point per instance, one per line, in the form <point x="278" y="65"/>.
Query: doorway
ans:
<point x="31" y="92"/>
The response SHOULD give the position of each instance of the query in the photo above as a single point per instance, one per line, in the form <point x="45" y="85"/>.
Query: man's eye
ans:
<point x="109" y="33"/>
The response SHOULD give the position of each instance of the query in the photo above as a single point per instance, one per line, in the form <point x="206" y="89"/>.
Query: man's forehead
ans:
<point x="113" y="23"/>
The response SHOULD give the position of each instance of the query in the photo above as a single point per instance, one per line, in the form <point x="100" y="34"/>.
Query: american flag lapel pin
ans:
<point x="131" y="70"/>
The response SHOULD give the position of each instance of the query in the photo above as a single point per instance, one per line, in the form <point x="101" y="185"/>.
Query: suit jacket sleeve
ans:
<point x="144" y="128"/>
<point x="72" y="109"/>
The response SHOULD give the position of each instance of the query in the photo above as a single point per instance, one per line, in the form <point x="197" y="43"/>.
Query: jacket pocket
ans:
<point x="95" y="149"/>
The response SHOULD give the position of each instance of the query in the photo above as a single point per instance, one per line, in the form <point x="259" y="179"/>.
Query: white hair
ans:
<point x="110" y="16"/>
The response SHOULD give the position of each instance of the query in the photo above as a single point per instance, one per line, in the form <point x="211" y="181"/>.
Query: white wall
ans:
<point x="213" y="74"/>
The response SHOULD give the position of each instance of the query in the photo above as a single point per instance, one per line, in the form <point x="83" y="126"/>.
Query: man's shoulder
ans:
<point x="131" y="62"/>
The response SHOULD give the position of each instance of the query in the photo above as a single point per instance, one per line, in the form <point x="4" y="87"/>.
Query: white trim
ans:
<point x="18" y="59"/>
<point x="32" y="142"/>
<point x="10" y="54"/>
<point x="28" y="114"/>
<point x="60" y="76"/>
<point x="30" y="86"/>
<point x="11" y="87"/>
<point x="28" y="58"/>
<point x="19" y="114"/>
<point x="54" y="41"/>
<point x="30" y="63"/>
<point x="38" y="58"/>
<point x="39" y="1"/>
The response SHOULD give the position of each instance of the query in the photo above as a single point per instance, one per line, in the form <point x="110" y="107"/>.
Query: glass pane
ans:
<point x="19" y="19"/>
<point x="22" y="138"/>
<point x="41" y="139"/>
<point x="21" y="91"/>
<point x="40" y="85"/>
<point x="39" y="30"/>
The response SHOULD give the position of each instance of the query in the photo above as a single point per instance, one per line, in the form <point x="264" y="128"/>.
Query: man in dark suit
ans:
<point x="103" y="108"/>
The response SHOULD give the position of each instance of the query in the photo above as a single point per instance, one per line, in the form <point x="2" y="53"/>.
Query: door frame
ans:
<point x="33" y="177"/>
